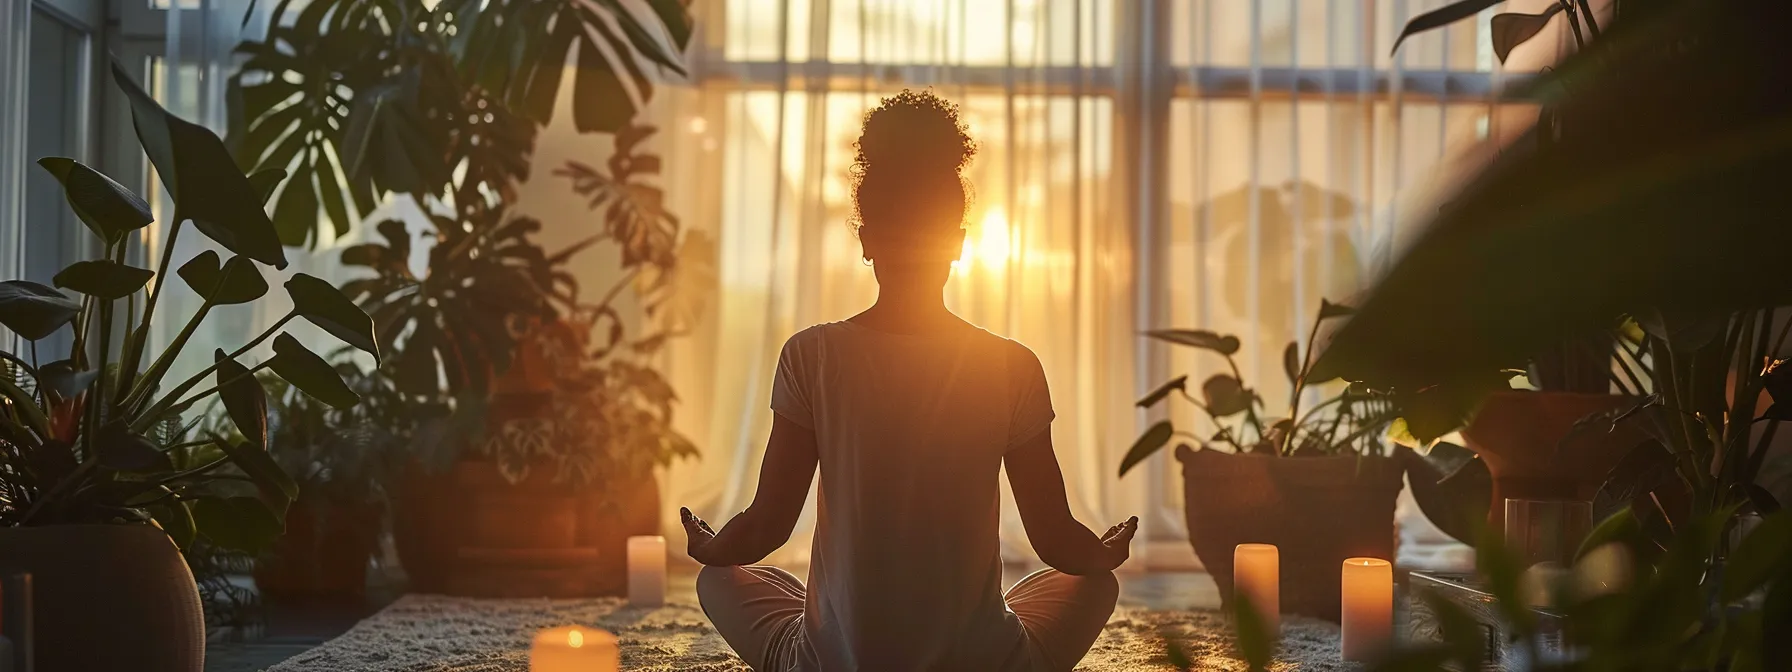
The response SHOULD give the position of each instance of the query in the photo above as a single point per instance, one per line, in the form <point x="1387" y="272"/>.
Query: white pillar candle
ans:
<point x="1257" y="576"/>
<point x="1367" y="623"/>
<point x="647" y="571"/>
<point x="574" y="649"/>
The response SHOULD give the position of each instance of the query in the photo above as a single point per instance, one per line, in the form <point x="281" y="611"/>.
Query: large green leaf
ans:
<point x="62" y="377"/>
<point x="244" y="400"/>
<point x="1177" y="384"/>
<point x="237" y="523"/>
<point x="1656" y="186"/>
<point x="322" y="304"/>
<point x="204" y="181"/>
<point x="107" y="208"/>
<point x="236" y="281"/>
<point x="266" y="181"/>
<point x="273" y="482"/>
<point x="1148" y="443"/>
<point x="310" y="373"/>
<point x="1198" y="338"/>
<point x="34" y="311"/>
<point x="1224" y="395"/>
<point x="103" y="278"/>
<point x="518" y="48"/>
<point x="1764" y="554"/>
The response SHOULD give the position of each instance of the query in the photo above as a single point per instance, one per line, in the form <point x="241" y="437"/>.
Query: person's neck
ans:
<point x="909" y="312"/>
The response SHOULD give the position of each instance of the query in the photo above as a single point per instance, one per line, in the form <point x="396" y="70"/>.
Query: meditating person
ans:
<point x="910" y="413"/>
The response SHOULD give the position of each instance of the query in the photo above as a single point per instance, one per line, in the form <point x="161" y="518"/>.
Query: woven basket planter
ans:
<point x="1316" y="510"/>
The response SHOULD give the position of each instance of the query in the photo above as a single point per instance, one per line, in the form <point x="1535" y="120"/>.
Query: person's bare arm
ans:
<point x="1061" y="541"/>
<point x="784" y="478"/>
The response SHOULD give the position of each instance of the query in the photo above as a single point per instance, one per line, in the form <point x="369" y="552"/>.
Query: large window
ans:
<point x="1221" y="164"/>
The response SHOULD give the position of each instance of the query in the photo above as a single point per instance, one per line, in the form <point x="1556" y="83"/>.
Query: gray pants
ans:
<point x="759" y="610"/>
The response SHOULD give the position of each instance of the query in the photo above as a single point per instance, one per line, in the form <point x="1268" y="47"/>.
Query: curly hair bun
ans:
<point x="914" y="131"/>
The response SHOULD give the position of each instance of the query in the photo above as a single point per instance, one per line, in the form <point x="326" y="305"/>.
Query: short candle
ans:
<point x="574" y="648"/>
<point x="1367" y="618"/>
<point x="647" y="571"/>
<point x="1256" y="576"/>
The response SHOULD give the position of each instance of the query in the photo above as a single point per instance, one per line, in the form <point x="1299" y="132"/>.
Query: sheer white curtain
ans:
<point x="1207" y="163"/>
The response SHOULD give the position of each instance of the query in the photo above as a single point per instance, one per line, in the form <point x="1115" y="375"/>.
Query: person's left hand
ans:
<point x="697" y="533"/>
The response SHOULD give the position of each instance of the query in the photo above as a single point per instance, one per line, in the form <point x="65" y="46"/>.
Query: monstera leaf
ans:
<point x="520" y="48"/>
<point x="204" y="181"/>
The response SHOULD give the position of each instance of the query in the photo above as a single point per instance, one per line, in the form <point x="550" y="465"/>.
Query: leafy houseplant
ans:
<point x="371" y="99"/>
<point x="1646" y="187"/>
<point x="339" y="458"/>
<point x="94" y="453"/>
<point x="1319" y="483"/>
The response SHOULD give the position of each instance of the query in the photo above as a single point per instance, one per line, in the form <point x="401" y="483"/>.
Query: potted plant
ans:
<point x="102" y="481"/>
<point x="338" y="457"/>
<point x="420" y="105"/>
<point x="1319" y="483"/>
<point x="1647" y="189"/>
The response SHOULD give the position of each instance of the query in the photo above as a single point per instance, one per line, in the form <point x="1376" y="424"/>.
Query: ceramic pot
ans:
<point x="1524" y="437"/>
<point x="108" y="597"/>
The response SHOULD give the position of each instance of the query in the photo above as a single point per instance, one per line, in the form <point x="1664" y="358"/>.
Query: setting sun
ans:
<point x="989" y="243"/>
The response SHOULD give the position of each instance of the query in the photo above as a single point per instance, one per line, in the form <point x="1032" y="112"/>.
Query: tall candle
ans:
<point x="574" y="648"/>
<point x="1368" y="607"/>
<point x="647" y="571"/>
<point x="1256" y="576"/>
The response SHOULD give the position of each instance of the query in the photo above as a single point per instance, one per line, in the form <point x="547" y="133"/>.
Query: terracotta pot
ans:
<point x="1520" y="435"/>
<point x="627" y="508"/>
<point x="323" y="555"/>
<point x="427" y="517"/>
<point x="1317" y="511"/>
<point x="108" y="597"/>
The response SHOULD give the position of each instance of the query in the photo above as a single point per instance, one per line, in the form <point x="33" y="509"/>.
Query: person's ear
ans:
<point x="958" y="242"/>
<point x="868" y="245"/>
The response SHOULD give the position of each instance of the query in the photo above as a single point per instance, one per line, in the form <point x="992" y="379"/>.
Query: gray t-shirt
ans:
<point x="906" y="570"/>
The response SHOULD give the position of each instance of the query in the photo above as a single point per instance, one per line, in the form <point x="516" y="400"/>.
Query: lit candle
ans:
<point x="647" y="571"/>
<point x="1257" y="576"/>
<point x="1367" y="625"/>
<point x="574" y="649"/>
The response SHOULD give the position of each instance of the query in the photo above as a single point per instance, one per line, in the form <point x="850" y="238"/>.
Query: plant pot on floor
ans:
<point x="1317" y="511"/>
<point x="471" y="532"/>
<point x="108" y="597"/>
<point x="1520" y="435"/>
<point x="323" y="556"/>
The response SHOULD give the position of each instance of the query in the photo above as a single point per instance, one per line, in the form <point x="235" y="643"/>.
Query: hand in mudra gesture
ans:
<point x="697" y="534"/>
<point x="1116" y="544"/>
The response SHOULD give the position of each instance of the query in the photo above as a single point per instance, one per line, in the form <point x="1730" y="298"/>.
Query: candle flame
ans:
<point x="575" y="639"/>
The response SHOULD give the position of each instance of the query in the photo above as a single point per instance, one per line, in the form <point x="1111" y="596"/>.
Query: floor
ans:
<point x="291" y="630"/>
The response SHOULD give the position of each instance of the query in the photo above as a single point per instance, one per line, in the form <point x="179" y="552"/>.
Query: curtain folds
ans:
<point x="1203" y="164"/>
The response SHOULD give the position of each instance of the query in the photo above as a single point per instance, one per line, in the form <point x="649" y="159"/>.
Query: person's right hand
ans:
<point x="698" y="534"/>
<point x="1116" y="545"/>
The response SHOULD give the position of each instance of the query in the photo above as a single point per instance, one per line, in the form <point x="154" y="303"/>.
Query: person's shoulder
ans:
<point x="809" y="338"/>
<point x="1017" y="353"/>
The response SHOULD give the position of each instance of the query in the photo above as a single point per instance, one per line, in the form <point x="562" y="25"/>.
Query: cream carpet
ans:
<point x="432" y="633"/>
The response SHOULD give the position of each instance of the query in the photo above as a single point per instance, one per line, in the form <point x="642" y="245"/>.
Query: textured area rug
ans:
<point x="432" y="633"/>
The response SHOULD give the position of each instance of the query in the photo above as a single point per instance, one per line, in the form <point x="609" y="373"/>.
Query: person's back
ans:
<point x="910" y="431"/>
<point x="909" y="414"/>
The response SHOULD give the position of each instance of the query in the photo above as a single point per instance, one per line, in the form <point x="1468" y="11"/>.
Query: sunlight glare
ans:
<point x="988" y="245"/>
